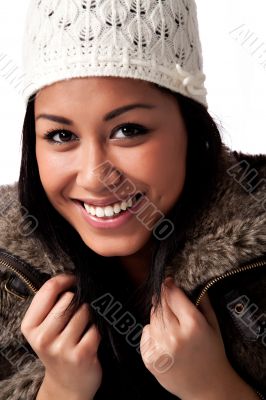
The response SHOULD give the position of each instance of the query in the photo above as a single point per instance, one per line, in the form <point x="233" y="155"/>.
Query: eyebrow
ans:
<point x="112" y="114"/>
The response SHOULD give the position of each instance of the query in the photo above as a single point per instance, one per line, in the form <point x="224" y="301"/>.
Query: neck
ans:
<point x="138" y="265"/>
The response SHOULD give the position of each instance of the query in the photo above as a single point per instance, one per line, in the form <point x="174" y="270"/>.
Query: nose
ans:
<point x="96" y="172"/>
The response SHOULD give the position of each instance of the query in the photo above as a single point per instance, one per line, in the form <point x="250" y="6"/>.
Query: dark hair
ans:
<point x="97" y="275"/>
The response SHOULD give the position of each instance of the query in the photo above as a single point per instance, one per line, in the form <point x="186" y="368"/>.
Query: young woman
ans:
<point x="132" y="254"/>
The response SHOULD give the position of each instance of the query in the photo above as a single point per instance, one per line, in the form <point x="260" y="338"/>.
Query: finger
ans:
<point x="57" y="319"/>
<point x="45" y="299"/>
<point x="169" y="314"/>
<point x="73" y="331"/>
<point x="163" y="315"/>
<point x="146" y="341"/>
<point x="90" y="340"/>
<point x="163" y="323"/>
<point x="206" y="308"/>
<point x="152" y="347"/>
<point x="179" y="303"/>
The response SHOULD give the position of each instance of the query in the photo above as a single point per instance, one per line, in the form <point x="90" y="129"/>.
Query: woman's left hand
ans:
<point x="184" y="350"/>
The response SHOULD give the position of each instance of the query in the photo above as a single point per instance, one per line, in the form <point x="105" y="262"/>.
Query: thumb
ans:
<point x="207" y="310"/>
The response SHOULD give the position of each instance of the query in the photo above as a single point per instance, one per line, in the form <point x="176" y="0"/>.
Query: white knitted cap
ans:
<point x="152" y="40"/>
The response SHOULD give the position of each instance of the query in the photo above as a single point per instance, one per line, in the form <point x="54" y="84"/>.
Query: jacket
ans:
<point x="224" y="255"/>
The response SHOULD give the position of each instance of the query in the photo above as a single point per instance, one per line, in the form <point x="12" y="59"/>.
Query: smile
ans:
<point x="111" y="210"/>
<point x="115" y="220"/>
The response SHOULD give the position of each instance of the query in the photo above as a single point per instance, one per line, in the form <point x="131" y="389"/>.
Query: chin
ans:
<point x="111" y="248"/>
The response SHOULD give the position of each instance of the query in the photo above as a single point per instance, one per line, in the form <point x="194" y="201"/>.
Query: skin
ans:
<point x="199" y="368"/>
<point x="72" y="368"/>
<point x="155" y="163"/>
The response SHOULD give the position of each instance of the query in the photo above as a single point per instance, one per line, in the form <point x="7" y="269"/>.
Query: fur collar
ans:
<point x="231" y="229"/>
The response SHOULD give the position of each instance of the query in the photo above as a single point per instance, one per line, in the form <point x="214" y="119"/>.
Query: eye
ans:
<point x="63" y="134"/>
<point x="130" y="130"/>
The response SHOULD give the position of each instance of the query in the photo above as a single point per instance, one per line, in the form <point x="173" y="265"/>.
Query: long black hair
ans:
<point x="96" y="274"/>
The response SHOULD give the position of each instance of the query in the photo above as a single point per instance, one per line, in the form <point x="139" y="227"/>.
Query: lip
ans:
<point x="105" y="202"/>
<point x="109" y="223"/>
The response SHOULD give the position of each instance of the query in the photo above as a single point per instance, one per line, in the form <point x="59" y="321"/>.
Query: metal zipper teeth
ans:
<point x="22" y="276"/>
<point x="226" y="275"/>
<point x="260" y="395"/>
<point x="203" y="292"/>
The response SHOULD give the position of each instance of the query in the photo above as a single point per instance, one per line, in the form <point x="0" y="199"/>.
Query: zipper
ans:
<point x="260" y="395"/>
<point x="247" y="267"/>
<point x="11" y="263"/>
<point x="20" y="275"/>
<point x="244" y="268"/>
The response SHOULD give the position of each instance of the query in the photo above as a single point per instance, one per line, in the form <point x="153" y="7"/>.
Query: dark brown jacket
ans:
<point x="224" y="255"/>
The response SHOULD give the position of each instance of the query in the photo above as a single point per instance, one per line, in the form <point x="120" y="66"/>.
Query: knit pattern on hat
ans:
<point x="152" y="40"/>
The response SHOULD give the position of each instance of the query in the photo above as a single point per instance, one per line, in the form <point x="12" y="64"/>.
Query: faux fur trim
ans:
<point x="231" y="229"/>
<point x="16" y="236"/>
<point x="25" y="384"/>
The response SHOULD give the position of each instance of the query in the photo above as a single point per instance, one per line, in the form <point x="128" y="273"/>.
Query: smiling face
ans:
<point x="150" y="152"/>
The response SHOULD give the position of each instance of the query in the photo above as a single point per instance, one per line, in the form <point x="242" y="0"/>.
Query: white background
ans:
<point x="236" y="80"/>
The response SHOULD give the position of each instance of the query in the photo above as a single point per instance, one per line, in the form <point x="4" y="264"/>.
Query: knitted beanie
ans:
<point x="153" y="40"/>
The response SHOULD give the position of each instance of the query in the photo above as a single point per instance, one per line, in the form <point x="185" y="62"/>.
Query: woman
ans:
<point x="145" y="252"/>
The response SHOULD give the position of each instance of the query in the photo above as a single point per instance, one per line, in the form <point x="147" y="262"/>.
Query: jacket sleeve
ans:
<point x="21" y="371"/>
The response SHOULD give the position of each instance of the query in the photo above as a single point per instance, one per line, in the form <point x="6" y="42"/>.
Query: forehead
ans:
<point x="94" y="98"/>
<point x="86" y="89"/>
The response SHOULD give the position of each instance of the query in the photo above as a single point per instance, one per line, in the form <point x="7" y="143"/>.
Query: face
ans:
<point x="147" y="145"/>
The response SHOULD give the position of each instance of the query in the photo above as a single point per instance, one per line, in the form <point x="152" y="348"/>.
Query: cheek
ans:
<point x="53" y="170"/>
<point x="162" y="167"/>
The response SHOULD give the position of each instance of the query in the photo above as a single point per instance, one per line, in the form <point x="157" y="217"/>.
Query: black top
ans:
<point x="127" y="378"/>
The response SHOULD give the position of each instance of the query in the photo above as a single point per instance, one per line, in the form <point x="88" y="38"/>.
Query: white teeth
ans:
<point x="123" y="205"/>
<point x="91" y="210"/>
<point x="99" y="212"/>
<point x="117" y="208"/>
<point x="108" y="211"/>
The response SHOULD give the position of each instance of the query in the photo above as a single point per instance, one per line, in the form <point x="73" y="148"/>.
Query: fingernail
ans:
<point x="169" y="281"/>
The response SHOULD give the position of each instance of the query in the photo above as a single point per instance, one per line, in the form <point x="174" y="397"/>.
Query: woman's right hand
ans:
<point x="68" y="353"/>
